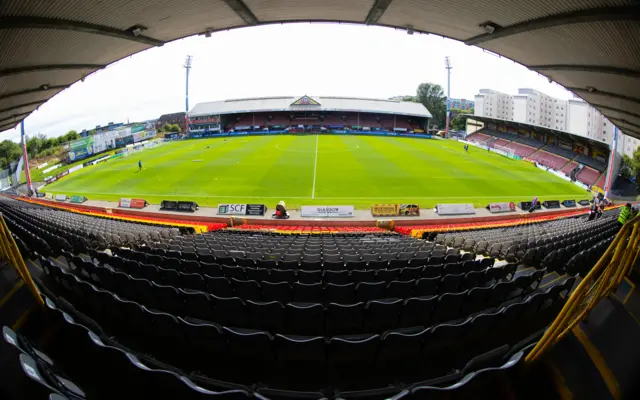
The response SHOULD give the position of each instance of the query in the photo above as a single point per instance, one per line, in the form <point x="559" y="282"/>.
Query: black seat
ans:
<point x="194" y="282"/>
<point x="449" y="307"/>
<point x="305" y="318"/>
<point x="247" y="290"/>
<point x="340" y="277"/>
<point x="426" y="286"/>
<point x="343" y="319"/>
<point x="417" y="311"/>
<point x="382" y="314"/>
<point x="276" y="291"/>
<point x="310" y="276"/>
<point x="302" y="358"/>
<point x="167" y="299"/>
<point x="307" y="293"/>
<point x="266" y="315"/>
<point x="351" y="356"/>
<point x="400" y="289"/>
<point x="203" y="336"/>
<point x="283" y="275"/>
<point x="230" y="311"/>
<point x="253" y="351"/>
<point x="198" y="305"/>
<point x="400" y="350"/>
<point x="366" y="291"/>
<point x="341" y="294"/>
<point x="219" y="286"/>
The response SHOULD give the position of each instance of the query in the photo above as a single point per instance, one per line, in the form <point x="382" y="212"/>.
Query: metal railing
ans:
<point x="10" y="254"/>
<point x="600" y="282"/>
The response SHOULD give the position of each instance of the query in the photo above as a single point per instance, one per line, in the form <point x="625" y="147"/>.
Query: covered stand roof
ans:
<point x="592" y="47"/>
<point x="310" y="103"/>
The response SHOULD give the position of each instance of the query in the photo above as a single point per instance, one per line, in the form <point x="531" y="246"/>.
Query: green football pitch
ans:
<point x="317" y="170"/>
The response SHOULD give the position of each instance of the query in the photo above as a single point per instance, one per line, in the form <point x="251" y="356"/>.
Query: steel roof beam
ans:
<point x="52" y="67"/>
<point x="8" y="126"/>
<point x="75" y="26"/>
<point x="34" y="90"/>
<point x="586" y="68"/>
<point x="602" y="93"/>
<point x="243" y="11"/>
<point x="631" y="13"/>
<point x="17" y="117"/>
<point x="624" y="121"/>
<point x="614" y="109"/>
<point x="33" y="103"/>
<point x="377" y="9"/>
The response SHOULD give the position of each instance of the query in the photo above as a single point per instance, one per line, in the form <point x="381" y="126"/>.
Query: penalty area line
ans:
<point x="315" y="168"/>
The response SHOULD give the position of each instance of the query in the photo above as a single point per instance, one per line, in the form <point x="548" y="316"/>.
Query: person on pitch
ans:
<point x="139" y="165"/>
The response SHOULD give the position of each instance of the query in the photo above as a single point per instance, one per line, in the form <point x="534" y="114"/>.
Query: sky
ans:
<point x="318" y="59"/>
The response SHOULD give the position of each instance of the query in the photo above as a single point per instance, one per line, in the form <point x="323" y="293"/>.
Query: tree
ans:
<point x="171" y="128"/>
<point x="459" y="123"/>
<point x="9" y="151"/>
<point x="432" y="97"/>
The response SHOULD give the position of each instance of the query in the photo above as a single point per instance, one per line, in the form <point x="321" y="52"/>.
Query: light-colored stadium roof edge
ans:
<point x="591" y="47"/>
<point x="325" y="103"/>
<point x="533" y="127"/>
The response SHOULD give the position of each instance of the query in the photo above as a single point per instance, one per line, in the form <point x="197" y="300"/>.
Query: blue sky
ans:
<point x="275" y="60"/>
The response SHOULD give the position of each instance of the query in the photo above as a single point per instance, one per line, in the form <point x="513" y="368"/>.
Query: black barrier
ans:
<point x="569" y="203"/>
<point x="189" y="206"/>
<point x="526" y="205"/>
<point x="169" y="205"/>
<point x="256" y="209"/>
<point x="551" y="204"/>
<point x="584" y="202"/>
<point x="40" y="194"/>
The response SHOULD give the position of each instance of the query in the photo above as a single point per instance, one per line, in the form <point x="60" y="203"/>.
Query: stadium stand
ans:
<point x="569" y="167"/>
<point x="497" y="142"/>
<point x="550" y="148"/>
<point x="591" y="162"/>
<point x="343" y="316"/>
<point x="530" y="142"/>
<point x="550" y="160"/>
<point x="478" y="137"/>
<point x="601" y="180"/>
<point x="503" y="135"/>
<point x="588" y="175"/>
<point x="520" y="149"/>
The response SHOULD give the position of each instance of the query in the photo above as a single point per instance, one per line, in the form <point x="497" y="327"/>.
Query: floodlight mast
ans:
<point x="187" y="66"/>
<point x="448" y="66"/>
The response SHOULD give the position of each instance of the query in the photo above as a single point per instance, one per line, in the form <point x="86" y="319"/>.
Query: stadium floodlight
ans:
<point x="448" y="66"/>
<point x="207" y="32"/>
<point x="489" y="27"/>
<point x="410" y="30"/>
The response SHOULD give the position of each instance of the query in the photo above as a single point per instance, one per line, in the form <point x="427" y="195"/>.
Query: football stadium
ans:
<point x="324" y="247"/>
<point x="361" y="152"/>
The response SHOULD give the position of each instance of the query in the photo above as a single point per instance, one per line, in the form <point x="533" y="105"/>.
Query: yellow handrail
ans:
<point x="602" y="280"/>
<point x="10" y="253"/>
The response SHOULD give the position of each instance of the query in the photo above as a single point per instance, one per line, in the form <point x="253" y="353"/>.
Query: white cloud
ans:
<point x="291" y="59"/>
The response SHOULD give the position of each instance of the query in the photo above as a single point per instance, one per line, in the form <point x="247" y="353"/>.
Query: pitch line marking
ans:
<point x="336" y="198"/>
<point x="315" y="168"/>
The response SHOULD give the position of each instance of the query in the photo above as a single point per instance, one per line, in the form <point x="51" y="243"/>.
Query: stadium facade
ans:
<point x="308" y="114"/>
<point x="532" y="107"/>
<point x="572" y="157"/>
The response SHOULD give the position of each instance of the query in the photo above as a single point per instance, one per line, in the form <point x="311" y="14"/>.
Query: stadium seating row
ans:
<point x="309" y="358"/>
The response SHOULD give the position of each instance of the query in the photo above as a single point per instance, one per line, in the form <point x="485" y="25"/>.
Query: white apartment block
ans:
<point x="532" y="107"/>
<point x="536" y="108"/>
<point x="494" y="104"/>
